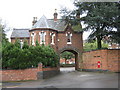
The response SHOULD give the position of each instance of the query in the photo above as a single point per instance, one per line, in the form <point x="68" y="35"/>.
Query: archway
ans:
<point x="75" y="51"/>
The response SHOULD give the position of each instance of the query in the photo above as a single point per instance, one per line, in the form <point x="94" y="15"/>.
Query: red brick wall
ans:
<point x="17" y="75"/>
<point x="47" y="37"/>
<point x="108" y="58"/>
<point x="76" y="40"/>
<point x="113" y="60"/>
<point x="49" y="69"/>
<point x="27" y="74"/>
<point x="14" y="39"/>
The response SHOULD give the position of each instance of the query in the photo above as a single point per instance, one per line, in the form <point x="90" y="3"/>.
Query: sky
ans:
<point x="20" y="13"/>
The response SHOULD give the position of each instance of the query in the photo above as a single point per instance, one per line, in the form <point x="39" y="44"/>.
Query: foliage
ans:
<point x="25" y="45"/>
<point x="69" y="18"/>
<point x="3" y="39"/>
<point x="29" y="56"/>
<point x="67" y="55"/>
<point x="93" y="45"/>
<point x="37" y="43"/>
<point x="100" y="17"/>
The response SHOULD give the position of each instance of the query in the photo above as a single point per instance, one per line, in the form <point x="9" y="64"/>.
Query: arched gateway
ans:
<point x="75" y="51"/>
<point x="53" y="32"/>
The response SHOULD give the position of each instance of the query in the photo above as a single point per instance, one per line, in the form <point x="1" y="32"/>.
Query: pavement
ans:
<point x="69" y="78"/>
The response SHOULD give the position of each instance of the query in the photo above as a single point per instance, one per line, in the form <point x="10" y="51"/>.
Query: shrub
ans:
<point x="29" y="56"/>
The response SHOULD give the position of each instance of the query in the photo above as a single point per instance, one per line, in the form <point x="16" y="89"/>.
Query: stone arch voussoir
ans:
<point x="68" y="48"/>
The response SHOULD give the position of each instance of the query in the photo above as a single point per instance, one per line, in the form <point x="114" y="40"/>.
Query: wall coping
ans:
<point x="99" y="50"/>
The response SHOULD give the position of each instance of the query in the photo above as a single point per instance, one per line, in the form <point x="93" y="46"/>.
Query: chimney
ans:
<point x="55" y="15"/>
<point x="34" y="20"/>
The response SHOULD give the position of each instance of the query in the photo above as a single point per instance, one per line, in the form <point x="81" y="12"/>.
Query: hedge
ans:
<point x="13" y="57"/>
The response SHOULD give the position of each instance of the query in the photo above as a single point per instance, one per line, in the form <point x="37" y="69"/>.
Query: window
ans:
<point x="69" y="38"/>
<point x="21" y="44"/>
<point x="42" y="37"/>
<point x="52" y="38"/>
<point x="32" y="35"/>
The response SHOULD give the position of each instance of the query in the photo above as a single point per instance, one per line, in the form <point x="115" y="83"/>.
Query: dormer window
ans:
<point x="42" y="37"/>
<point x="69" y="35"/>
<point x="68" y="38"/>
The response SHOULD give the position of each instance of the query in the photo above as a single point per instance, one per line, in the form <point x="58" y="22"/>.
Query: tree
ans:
<point x="101" y="18"/>
<point x="25" y="44"/>
<point x="67" y="55"/>
<point x="3" y="39"/>
<point x="72" y="18"/>
<point x="115" y="35"/>
<point x="37" y="43"/>
<point x="15" y="57"/>
<point x="88" y="46"/>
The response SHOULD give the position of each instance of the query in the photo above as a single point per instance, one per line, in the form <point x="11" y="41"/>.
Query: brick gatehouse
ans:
<point x="54" y="32"/>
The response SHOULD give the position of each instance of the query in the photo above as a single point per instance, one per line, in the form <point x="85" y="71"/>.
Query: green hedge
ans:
<point x="13" y="57"/>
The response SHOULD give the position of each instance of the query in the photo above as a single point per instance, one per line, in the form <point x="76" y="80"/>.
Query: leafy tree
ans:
<point x="17" y="43"/>
<point x="67" y="55"/>
<point x="3" y="40"/>
<point x="115" y="35"/>
<point x="37" y="43"/>
<point x="101" y="18"/>
<point x="16" y="58"/>
<point x="72" y="18"/>
<point x="25" y="45"/>
<point x="88" y="46"/>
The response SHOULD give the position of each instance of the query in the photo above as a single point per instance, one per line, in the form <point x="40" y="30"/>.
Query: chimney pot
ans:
<point x="55" y="15"/>
<point x="34" y="20"/>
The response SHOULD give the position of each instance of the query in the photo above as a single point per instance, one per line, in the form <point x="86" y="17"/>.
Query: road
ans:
<point x="69" y="78"/>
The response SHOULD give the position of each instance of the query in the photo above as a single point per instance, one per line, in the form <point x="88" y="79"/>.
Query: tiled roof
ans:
<point x="43" y="22"/>
<point x="20" y="33"/>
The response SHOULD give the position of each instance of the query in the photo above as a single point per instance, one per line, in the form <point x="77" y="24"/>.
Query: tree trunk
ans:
<point x="65" y="60"/>
<point x="99" y="45"/>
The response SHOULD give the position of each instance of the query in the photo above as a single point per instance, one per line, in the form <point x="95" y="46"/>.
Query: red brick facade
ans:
<point x="26" y="74"/>
<point x="108" y="59"/>
<point x="60" y="38"/>
<point x="53" y="32"/>
<point x="23" y="39"/>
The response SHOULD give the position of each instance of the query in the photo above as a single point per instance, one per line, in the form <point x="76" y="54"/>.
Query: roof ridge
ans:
<point x="20" y="28"/>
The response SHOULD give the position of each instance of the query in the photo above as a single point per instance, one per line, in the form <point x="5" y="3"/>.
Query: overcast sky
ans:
<point x="20" y="13"/>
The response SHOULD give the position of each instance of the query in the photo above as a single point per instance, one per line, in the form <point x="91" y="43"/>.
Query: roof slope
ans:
<point x="43" y="22"/>
<point x="20" y="33"/>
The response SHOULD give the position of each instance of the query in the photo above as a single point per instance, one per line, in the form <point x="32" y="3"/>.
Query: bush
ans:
<point x="29" y="56"/>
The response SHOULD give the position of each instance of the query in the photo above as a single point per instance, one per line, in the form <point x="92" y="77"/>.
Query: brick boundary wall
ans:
<point x="26" y="74"/>
<point x="108" y="60"/>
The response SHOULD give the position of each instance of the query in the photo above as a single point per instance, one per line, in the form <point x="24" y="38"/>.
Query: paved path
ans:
<point x="72" y="79"/>
<point x="67" y="69"/>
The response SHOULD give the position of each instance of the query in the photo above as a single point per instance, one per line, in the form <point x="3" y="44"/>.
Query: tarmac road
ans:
<point x="70" y="78"/>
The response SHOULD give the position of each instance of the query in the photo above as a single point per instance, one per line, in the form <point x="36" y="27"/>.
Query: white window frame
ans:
<point x="52" y="36"/>
<point x="70" y="38"/>
<point x="33" y="38"/>
<point x="42" y="42"/>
